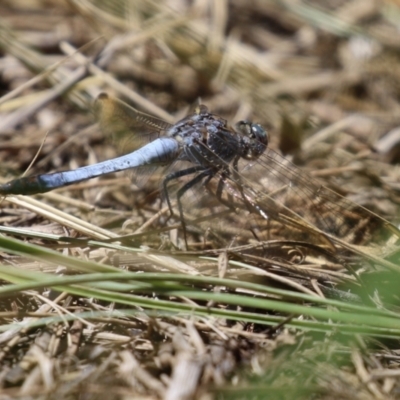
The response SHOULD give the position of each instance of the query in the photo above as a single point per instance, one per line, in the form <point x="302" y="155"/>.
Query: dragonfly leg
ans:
<point x="197" y="179"/>
<point x="176" y="175"/>
<point x="181" y="192"/>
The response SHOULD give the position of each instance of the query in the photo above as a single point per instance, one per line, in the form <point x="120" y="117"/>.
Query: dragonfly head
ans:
<point x="254" y="139"/>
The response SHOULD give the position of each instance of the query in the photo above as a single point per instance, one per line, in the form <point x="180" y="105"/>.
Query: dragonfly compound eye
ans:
<point x="258" y="141"/>
<point x="259" y="133"/>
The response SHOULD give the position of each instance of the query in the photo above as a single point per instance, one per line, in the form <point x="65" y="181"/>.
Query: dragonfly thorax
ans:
<point x="206" y="139"/>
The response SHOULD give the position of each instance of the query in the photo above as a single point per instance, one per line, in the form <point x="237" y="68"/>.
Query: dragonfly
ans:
<point x="232" y="166"/>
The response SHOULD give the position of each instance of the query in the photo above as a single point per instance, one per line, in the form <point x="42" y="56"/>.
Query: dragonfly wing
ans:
<point x="129" y="129"/>
<point x="274" y="199"/>
<point x="282" y="191"/>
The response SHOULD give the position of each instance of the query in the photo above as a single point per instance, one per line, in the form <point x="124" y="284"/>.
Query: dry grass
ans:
<point x="104" y="302"/>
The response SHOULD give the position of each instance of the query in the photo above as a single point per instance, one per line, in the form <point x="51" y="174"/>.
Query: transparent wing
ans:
<point x="281" y="182"/>
<point x="288" y="204"/>
<point x="128" y="130"/>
